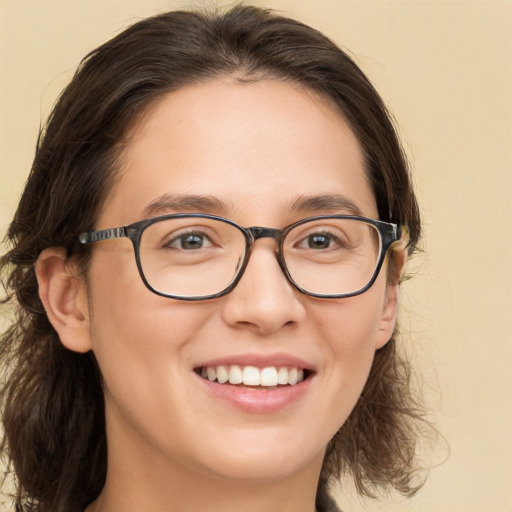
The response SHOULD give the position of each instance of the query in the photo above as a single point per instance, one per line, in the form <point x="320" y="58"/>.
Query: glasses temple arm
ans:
<point x="102" y="234"/>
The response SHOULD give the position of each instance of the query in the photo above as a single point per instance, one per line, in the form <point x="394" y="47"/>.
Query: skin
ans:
<point x="256" y="147"/>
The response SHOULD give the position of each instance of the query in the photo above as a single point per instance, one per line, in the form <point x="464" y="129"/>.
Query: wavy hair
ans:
<point x="52" y="402"/>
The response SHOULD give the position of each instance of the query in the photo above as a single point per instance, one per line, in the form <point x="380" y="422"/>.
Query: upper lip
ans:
<point x="259" y="361"/>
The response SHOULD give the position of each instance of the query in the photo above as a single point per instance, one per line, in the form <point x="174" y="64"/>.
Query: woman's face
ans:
<point x="253" y="150"/>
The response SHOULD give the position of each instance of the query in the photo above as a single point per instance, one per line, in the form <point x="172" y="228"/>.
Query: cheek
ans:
<point x="142" y="344"/>
<point x="348" y="329"/>
<point x="133" y="331"/>
<point x="350" y="326"/>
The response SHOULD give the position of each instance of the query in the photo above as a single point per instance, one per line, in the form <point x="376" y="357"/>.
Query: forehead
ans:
<point x="256" y="147"/>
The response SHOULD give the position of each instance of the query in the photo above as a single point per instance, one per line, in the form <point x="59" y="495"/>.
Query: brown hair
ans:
<point x="52" y="398"/>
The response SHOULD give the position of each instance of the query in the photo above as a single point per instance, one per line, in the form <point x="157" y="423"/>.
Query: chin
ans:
<point x="262" y="471"/>
<point x="264" y="460"/>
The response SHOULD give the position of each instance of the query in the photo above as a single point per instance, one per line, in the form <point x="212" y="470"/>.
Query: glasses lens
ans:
<point x="191" y="256"/>
<point x="332" y="256"/>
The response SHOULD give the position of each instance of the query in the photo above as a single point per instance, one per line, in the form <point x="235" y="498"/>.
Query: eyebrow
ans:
<point x="184" y="203"/>
<point x="191" y="203"/>
<point x="321" y="203"/>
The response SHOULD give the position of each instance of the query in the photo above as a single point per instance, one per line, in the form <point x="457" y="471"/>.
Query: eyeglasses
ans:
<point x="198" y="256"/>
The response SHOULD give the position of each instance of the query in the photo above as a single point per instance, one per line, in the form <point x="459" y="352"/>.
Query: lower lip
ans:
<point x="258" y="400"/>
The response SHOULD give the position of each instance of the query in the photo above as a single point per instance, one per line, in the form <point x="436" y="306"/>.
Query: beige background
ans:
<point x="445" y="70"/>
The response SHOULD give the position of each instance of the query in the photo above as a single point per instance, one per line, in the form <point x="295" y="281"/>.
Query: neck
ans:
<point x="190" y="493"/>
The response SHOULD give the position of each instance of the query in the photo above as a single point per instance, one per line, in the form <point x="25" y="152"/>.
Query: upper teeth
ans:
<point x="253" y="376"/>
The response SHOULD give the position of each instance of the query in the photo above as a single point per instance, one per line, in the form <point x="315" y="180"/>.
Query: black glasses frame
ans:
<point x="389" y="234"/>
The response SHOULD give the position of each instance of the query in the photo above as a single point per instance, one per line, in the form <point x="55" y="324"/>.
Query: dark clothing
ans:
<point x="324" y="503"/>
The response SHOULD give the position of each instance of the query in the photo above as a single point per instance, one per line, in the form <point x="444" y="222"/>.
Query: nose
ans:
<point x="263" y="300"/>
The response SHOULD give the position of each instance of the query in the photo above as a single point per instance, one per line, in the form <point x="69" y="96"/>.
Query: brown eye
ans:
<point x="318" y="241"/>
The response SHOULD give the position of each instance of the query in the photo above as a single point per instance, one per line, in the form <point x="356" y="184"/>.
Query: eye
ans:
<point x="319" y="241"/>
<point x="190" y="241"/>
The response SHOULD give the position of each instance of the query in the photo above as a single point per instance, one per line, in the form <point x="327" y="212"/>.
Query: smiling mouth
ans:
<point x="268" y="377"/>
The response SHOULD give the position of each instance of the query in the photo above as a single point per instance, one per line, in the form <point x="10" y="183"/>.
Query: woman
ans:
<point x="239" y="351"/>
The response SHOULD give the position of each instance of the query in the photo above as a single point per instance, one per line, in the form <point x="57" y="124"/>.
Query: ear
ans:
<point x="387" y="321"/>
<point x="388" y="316"/>
<point x="64" y="298"/>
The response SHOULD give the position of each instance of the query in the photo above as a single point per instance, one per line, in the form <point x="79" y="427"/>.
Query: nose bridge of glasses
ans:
<point x="257" y="232"/>
<point x="261" y="232"/>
